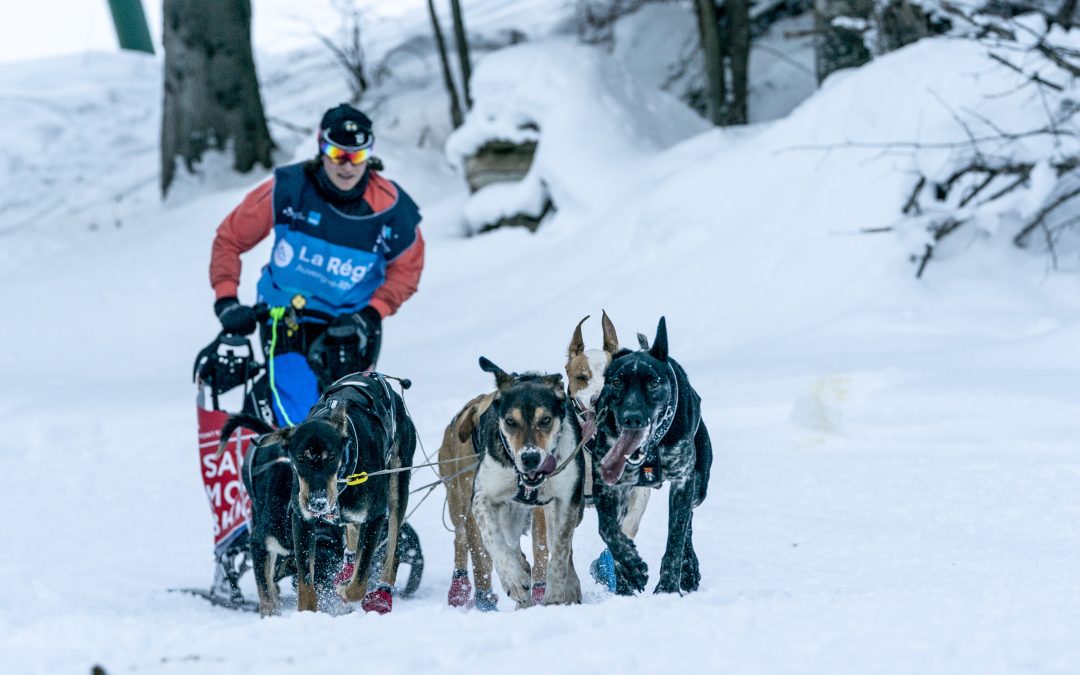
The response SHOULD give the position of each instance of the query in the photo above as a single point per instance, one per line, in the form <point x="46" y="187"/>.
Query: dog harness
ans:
<point x="649" y="473"/>
<point x="359" y="392"/>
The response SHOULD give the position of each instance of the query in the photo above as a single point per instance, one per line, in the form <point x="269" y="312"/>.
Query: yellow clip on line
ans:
<point x="356" y="478"/>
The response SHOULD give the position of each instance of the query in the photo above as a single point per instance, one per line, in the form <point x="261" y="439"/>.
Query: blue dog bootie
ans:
<point x="486" y="601"/>
<point x="602" y="570"/>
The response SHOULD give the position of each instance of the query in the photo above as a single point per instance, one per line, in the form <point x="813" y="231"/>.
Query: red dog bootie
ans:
<point x="380" y="600"/>
<point x="538" y="590"/>
<point x="460" y="589"/>
<point x="345" y="575"/>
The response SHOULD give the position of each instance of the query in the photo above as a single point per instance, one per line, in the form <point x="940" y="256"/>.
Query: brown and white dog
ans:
<point x="585" y="379"/>
<point x="457" y="467"/>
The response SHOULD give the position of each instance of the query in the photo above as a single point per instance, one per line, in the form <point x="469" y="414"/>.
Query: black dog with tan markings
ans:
<point x="358" y="426"/>
<point x="649" y="430"/>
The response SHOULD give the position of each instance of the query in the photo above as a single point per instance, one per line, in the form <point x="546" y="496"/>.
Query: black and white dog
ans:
<point x="649" y="430"/>
<point x="528" y="442"/>
<point x="358" y="426"/>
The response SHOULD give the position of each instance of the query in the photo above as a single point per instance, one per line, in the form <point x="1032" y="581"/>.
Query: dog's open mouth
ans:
<point x="536" y="478"/>
<point x="629" y="448"/>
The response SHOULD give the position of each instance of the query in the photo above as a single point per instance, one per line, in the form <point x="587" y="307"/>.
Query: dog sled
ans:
<point x="230" y="379"/>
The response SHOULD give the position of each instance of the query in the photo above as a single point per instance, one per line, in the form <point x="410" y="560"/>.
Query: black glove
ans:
<point x="365" y="324"/>
<point x="234" y="317"/>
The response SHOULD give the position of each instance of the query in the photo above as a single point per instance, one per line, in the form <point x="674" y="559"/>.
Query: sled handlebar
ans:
<point x="262" y="313"/>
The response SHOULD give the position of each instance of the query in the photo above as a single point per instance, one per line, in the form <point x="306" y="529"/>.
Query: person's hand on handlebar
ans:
<point x="234" y="317"/>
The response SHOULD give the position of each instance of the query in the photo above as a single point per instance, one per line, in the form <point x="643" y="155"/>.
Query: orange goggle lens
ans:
<point x="339" y="155"/>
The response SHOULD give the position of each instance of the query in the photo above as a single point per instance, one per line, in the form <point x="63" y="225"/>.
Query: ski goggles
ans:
<point x="340" y="155"/>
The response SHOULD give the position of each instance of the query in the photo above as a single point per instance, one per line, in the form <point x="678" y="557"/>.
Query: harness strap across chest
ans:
<point x="372" y="395"/>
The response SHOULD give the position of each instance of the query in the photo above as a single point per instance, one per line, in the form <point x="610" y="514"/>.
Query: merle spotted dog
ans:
<point x="359" y="425"/>
<point x="528" y="442"/>
<point x="649" y="430"/>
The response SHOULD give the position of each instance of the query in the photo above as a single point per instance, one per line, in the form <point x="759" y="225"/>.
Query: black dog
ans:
<point x="359" y="425"/>
<point x="650" y="420"/>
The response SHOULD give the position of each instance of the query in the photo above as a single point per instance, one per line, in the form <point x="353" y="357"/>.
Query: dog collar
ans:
<point x="662" y="425"/>
<point x="530" y="496"/>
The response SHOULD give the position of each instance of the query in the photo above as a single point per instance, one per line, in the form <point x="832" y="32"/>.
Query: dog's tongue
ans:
<point x="547" y="467"/>
<point x="588" y="426"/>
<point x="613" y="463"/>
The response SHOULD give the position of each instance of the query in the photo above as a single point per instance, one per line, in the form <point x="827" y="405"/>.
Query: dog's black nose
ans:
<point x="633" y="420"/>
<point x="530" y="461"/>
<point x="318" y="504"/>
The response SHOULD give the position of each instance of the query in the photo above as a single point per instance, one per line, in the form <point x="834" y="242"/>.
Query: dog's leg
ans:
<point x="481" y="560"/>
<point x="637" y="500"/>
<point x="540" y="552"/>
<point x="262" y="563"/>
<point x="703" y="458"/>
<point x="304" y="551"/>
<point x="396" y="510"/>
<point x="563" y="584"/>
<point x="366" y="543"/>
<point x="352" y="537"/>
<point x="511" y="565"/>
<point x="691" y="570"/>
<point x="631" y="572"/>
<point x="680" y="503"/>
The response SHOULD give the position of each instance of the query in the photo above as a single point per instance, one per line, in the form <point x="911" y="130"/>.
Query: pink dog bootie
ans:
<point x="380" y="600"/>
<point x="538" y="590"/>
<point x="460" y="589"/>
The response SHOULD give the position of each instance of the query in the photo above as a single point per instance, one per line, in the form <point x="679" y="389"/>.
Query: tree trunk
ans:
<point x="715" y="86"/>
<point x="738" y="52"/>
<point x="1064" y="16"/>
<point x="840" y="46"/>
<point x="899" y="23"/>
<point x="211" y="91"/>
<point x="461" y="37"/>
<point x="456" y="117"/>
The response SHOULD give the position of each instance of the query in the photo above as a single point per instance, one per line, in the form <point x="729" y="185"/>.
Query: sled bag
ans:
<point x="229" y="501"/>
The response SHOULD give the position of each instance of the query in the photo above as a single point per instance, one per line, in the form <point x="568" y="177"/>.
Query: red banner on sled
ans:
<point x="229" y="501"/>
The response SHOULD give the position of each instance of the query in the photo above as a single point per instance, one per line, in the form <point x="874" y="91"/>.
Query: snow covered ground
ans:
<point x="896" y="486"/>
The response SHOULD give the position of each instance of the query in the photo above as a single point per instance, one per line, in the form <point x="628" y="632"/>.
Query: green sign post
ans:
<point x="131" y="28"/>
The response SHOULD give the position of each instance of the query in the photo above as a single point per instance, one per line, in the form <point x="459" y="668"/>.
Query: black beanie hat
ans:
<point x="346" y="126"/>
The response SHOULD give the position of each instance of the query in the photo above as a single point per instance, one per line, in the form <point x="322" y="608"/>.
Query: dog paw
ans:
<point x="353" y="591"/>
<point x="691" y="575"/>
<point x="460" y="589"/>
<point x="602" y="570"/>
<point x="634" y="572"/>
<point x="380" y="600"/>
<point x="566" y="595"/>
<point x="486" y="601"/>
<point x="667" y="584"/>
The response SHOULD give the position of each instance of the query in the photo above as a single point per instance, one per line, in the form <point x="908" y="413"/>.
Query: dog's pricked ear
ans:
<point x="339" y="417"/>
<point x="554" y="381"/>
<point x="643" y="342"/>
<point x="577" y="343"/>
<point x="659" y="349"/>
<point x="611" y="340"/>
<point x="275" y="437"/>
<point x="502" y="378"/>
